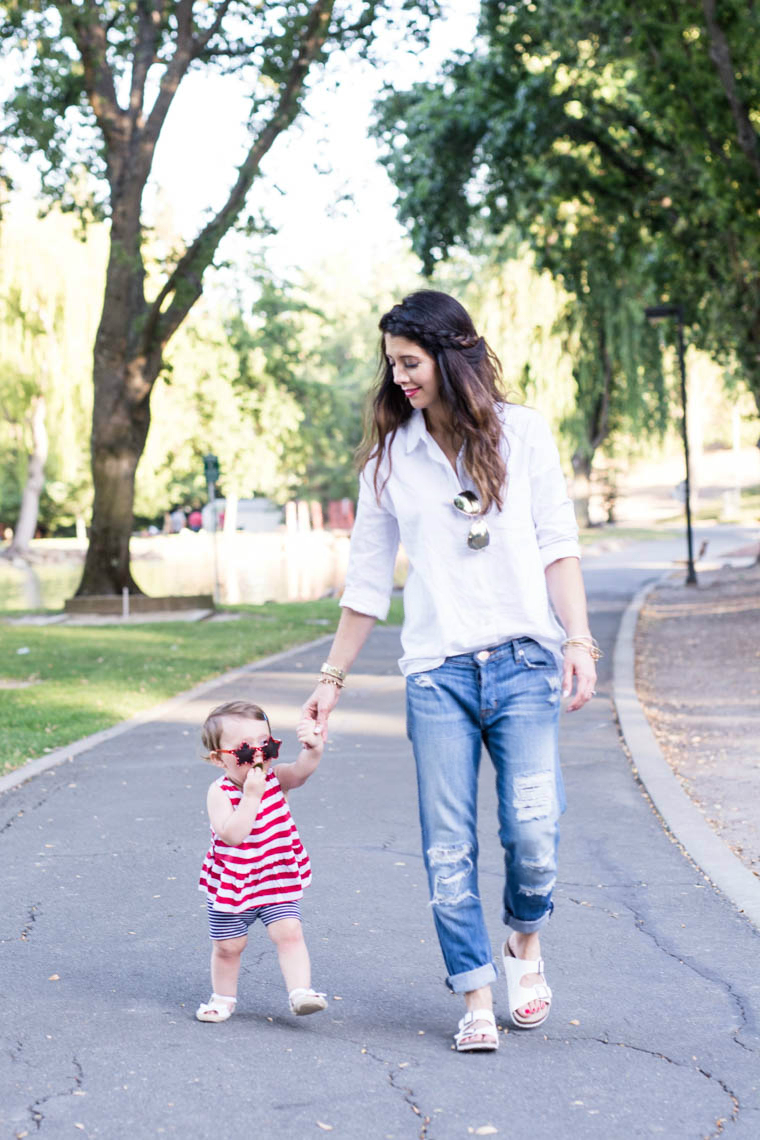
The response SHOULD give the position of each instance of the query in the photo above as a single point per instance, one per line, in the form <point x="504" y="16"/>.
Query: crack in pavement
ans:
<point x="406" y="1092"/>
<point x="35" y="1108"/>
<point x="34" y="807"/>
<point x="705" y="974"/>
<point x="31" y="919"/>
<point x="720" y="1122"/>
<point x="594" y="906"/>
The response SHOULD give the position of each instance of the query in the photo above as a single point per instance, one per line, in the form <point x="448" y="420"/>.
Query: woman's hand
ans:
<point x="310" y="735"/>
<point x="320" y="704"/>
<point x="580" y="668"/>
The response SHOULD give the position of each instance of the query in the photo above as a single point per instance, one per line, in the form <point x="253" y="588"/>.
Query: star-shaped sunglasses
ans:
<point x="246" y="753"/>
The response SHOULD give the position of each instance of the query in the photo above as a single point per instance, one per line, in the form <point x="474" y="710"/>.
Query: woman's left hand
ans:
<point x="579" y="668"/>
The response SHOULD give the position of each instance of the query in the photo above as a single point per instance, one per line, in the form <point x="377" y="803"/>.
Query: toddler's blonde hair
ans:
<point x="211" y="733"/>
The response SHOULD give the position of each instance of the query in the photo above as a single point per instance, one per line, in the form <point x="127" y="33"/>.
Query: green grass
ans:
<point x="87" y="678"/>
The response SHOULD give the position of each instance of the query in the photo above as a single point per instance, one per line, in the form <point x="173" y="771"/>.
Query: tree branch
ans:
<point x="201" y="42"/>
<point x="720" y="54"/>
<point x="90" y="37"/>
<point x="581" y="130"/>
<point x="149" y="16"/>
<point x="173" y="75"/>
<point x="184" y="285"/>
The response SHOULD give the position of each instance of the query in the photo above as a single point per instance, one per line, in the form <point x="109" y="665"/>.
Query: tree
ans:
<point x="84" y="103"/>
<point x="619" y="141"/>
<point x="47" y="327"/>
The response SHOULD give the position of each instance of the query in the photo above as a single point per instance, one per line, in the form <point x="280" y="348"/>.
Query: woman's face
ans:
<point x="414" y="370"/>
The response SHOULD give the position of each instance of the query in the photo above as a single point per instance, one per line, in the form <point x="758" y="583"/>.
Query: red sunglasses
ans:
<point x="246" y="753"/>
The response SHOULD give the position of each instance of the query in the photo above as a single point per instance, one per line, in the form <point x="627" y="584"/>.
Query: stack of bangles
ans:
<point x="588" y="643"/>
<point x="332" y="675"/>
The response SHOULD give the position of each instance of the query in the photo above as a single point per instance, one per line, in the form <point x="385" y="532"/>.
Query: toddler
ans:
<point x="256" y="866"/>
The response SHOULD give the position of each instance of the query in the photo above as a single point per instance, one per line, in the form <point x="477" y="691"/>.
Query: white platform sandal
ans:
<point x="303" y="1001"/>
<point x="467" y="1037"/>
<point x="519" y="995"/>
<point x="219" y="1007"/>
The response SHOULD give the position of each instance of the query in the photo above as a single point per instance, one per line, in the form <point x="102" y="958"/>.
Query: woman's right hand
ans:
<point x="320" y="704"/>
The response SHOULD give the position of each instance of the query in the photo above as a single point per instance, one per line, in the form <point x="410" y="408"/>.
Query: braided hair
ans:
<point x="470" y="388"/>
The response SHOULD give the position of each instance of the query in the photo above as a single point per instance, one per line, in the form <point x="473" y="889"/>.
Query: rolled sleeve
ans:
<point x="553" y="512"/>
<point x="374" y="545"/>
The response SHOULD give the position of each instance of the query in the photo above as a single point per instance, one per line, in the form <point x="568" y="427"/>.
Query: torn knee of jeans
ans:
<point x="533" y="796"/>
<point x="542" y="890"/>
<point x="452" y="869"/>
<point x="423" y="681"/>
<point x="543" y="862"/>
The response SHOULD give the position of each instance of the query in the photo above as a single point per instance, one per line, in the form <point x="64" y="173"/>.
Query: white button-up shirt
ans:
<point x="458" y="600"/>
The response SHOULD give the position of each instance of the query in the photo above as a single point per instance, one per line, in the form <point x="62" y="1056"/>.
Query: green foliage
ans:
<point x="621" y="143"/>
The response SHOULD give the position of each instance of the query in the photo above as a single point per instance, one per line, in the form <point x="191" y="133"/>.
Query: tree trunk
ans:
<point x="35" y="481"/>
<point x="119" y="431"/>
<point x="121" y="410"/>
<point x="582" y="489"/>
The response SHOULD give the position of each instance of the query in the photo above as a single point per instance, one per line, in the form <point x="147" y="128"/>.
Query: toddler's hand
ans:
<point x="310" y="734"/>
<point x="255" y="781"/>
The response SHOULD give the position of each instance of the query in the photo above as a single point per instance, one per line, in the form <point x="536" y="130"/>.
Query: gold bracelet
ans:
<point x="590" y="644"/>
<point x="333" y="671"/>
<point x="324" y="680"/>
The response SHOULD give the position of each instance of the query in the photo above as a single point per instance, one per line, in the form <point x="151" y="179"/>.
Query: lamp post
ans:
<point x="211" y="471"/>
<point x="656" y="313"/>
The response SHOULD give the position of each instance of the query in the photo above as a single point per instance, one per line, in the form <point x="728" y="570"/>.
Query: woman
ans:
<point x="472" y="487"/>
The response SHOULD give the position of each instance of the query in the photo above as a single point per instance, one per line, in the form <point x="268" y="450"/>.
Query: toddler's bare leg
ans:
<point x="225" y="964"/>
<point x="287" y="935"/>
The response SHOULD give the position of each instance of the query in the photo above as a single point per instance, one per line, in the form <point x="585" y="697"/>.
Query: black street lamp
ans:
<point x="656" y="313"/>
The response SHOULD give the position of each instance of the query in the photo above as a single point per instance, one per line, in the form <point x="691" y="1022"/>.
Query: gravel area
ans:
<point x="698" y="678"/>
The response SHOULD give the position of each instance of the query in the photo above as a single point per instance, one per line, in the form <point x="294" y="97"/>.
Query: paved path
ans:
<point x="104" y="949"/>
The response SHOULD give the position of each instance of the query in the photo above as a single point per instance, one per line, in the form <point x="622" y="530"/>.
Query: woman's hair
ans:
<point x="469" y="376"/>
<point x="211" y="733"/>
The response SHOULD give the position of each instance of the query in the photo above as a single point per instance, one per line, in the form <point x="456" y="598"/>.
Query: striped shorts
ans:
<point x="222" y="924"/>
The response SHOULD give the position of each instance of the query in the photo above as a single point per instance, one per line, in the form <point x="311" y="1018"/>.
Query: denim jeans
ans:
<point x="508" y="699"/>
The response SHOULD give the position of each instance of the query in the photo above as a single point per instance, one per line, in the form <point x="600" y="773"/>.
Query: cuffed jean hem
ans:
<point x="472" y="979"/>
<point x="525" y="927"/>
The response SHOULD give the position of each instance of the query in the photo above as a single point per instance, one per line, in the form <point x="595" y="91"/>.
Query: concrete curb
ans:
<point x="165" y="709"/>
<point x="677" y="811"/>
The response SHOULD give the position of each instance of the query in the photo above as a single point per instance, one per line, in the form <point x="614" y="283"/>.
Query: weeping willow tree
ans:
<point x="47" y="327"/>
<point x="619" y="385"/>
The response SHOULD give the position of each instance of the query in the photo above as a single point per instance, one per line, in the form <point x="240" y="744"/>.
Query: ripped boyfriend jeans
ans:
<point x="507" y="698"/>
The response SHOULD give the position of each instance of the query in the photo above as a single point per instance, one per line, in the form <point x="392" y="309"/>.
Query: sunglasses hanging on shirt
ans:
<point x="468" y="503"/>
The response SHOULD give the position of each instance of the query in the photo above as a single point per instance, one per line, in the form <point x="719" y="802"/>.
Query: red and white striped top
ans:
<point x="270" y="866"/>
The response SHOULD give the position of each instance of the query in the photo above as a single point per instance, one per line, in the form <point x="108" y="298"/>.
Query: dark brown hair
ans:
<point x="469" y="376"/>
<point x="211" y="733"/>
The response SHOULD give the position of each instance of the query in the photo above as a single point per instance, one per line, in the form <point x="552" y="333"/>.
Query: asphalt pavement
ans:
<point x="104" y="950"/>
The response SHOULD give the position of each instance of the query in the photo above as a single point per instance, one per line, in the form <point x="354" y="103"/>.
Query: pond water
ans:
<point x="251" y="568"/>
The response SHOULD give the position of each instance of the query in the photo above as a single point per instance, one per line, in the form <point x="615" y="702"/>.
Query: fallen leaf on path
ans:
<point x="54" y="978"/>
<point x="324" y="1127"/>
<point x="575" y="1021"/>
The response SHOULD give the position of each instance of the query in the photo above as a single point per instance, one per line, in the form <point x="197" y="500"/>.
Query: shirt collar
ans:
<point x="415" y="430"/>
